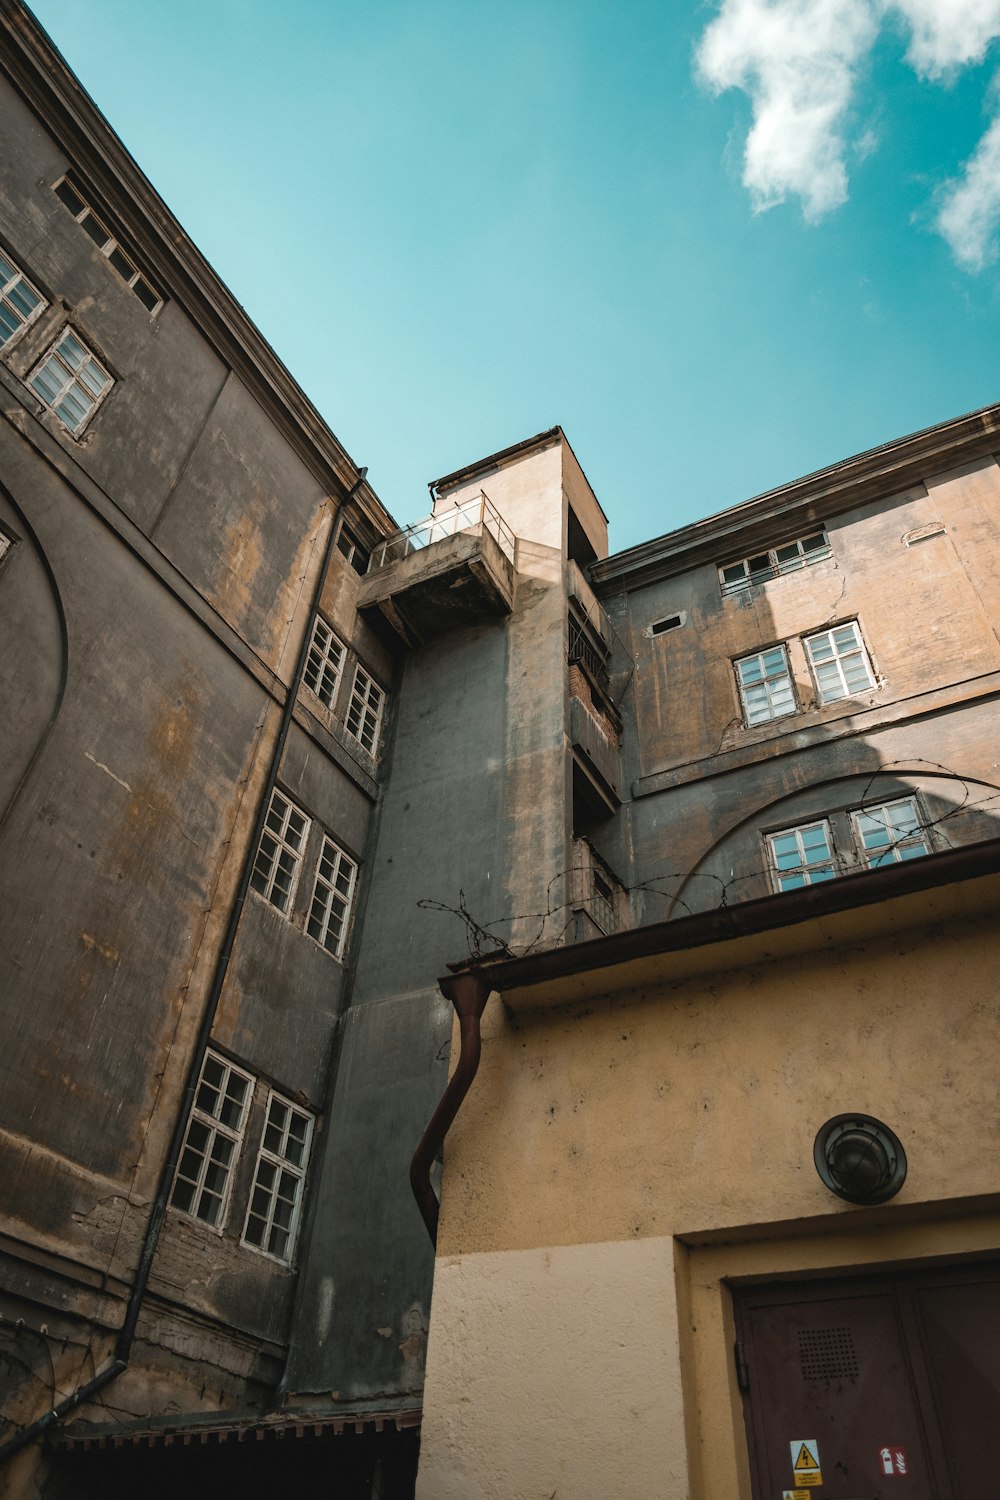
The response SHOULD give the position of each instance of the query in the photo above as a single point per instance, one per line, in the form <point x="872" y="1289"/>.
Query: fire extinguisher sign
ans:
<point x="892" y="1460"/>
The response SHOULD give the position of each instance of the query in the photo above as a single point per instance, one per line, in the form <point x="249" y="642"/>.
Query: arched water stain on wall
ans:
<point x="35" y="656"/>
<point x="953" y="810"/>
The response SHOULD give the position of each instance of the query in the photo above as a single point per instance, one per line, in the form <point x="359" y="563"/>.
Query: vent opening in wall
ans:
<point x="670" y="622"/>
<point x="827" y="1354"/>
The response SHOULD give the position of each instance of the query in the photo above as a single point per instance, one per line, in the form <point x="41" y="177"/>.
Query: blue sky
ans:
<point x="460" y="224"/>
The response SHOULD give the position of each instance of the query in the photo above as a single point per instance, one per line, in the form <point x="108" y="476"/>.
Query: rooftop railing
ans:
<point x="477" y="512"/>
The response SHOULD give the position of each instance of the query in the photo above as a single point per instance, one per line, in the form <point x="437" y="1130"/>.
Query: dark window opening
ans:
<point x="357" y="555"/>
<point x="579" y="548"/>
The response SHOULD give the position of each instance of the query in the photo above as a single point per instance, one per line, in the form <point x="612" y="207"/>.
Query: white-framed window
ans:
<point x="69" y="192"/>
<point x="71" y="381"/>
<point x="765" y="684"/>
<point x="839" y="662"/>
<point x="5" y="545"/>
<point x="324" y="663"/>
<point x="868" y="837"/>
<point x="333" y="897"/>
<point x="20" y="302"/>
<point x="364" y="713"/>
<point x="279" y="1178"/>
<point x="279" y="854"/>
<point x="212" y="1144"/>
<point x="774" y="561"/>
<point x="888" y="832"/>
<point x="801" y="856"/>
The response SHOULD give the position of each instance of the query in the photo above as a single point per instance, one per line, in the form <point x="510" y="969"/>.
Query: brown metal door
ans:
<point x="890" y="1384"/>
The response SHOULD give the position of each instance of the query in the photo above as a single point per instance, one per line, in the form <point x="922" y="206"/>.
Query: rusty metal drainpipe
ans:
<point x="468" y="993"/>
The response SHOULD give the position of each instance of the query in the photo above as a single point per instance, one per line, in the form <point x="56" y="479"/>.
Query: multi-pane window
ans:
<point x="212" y="1143"/>
<point x="68" y="190"/>
<point x="839" y="662"/>
<point x="602" y="902"/>
<point x="276" y="1196"/>
<point x="324" y="663"/>
<point x="279" y="854"/>
<point x="20" y="304"/>
<point x="890" y="832"/>
<point x="880" y="833"/>
<point x="364" y="714"/>
<point x="357" y="554"/>
<point x="333" y="893"/>
<point x="801" y="856"/>
<point x="789" y="557"/>
<point x="766" y="685"/>
<point x="71" y="381"/>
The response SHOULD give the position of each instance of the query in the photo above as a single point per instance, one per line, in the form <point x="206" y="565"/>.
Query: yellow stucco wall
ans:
<point x="604" y="1141"/>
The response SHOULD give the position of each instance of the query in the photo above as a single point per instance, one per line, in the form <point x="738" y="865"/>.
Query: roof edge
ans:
<point x="49" y="87"/>
<point x="874" y="473"/>
<point x="722" y="924"/>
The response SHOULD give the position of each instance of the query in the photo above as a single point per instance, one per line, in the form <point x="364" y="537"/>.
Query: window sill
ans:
<point x="799" y="736"/>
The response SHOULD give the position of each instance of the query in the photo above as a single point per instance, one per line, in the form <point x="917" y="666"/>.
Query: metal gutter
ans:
<point x="765" y="914"/>
<point x="469" y="994"/>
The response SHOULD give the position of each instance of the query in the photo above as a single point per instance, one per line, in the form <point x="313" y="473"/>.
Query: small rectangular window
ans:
<point x="890" y="832"/>
<point x="279" y="855"/>
<point x="356" y="553"/>
<point x="801" y="856"/>
<point x="839" y="663"/>
<point x="765" y="684"/>
<point x="276" y="1196"/>
<point x="324" y="663"/>
<point x="20" y="303"/>
<point x="788" y="558"/>
<point x="364" y="714"/>
<point x="68" y="194"/>
<point x="71" y="381"/>
<point x="332" y="898"/>
<point x="212" y="1143"/>
<point x="71" y="194"/>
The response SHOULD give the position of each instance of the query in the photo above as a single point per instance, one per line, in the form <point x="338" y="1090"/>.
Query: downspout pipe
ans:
<point x="468" y="993"/>
<point x="126" y="1335"/>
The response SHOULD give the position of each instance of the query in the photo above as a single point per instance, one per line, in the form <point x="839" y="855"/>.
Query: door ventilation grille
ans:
<point x="827" y="1354"/>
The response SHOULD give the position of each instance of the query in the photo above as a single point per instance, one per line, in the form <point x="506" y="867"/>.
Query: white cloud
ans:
<point x="970" y="211"/>
<point x="947" y="34"/>
<point x="796" y="59"/>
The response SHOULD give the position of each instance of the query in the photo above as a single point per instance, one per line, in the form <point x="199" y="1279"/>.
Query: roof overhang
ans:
<point x="219" y="1428"/>
<point x="783" y="512"/>
<point x="940" y="888"/>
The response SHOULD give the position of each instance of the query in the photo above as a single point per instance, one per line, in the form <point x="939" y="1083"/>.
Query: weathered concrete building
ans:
<point x="690" y="1136"/>
<point x="716" y="816"/>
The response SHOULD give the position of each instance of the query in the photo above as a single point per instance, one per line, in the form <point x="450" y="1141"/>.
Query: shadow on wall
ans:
<point x="850" y="822"/>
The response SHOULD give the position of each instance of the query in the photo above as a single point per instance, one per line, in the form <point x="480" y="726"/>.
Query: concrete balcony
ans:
<point x="453" y="568"/>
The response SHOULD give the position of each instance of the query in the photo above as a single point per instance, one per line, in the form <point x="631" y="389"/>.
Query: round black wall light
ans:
<point x="860" y="1159"/>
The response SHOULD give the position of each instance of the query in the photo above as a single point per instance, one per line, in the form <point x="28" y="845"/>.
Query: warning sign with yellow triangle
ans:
<point x="805" y="1462"/>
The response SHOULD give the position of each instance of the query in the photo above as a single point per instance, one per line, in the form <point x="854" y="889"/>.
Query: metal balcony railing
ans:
<point x="583" y="651"/>
<point x="477" y="512"/>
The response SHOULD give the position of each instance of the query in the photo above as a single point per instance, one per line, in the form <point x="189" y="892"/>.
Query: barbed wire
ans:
<point x="485" y="939"/>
